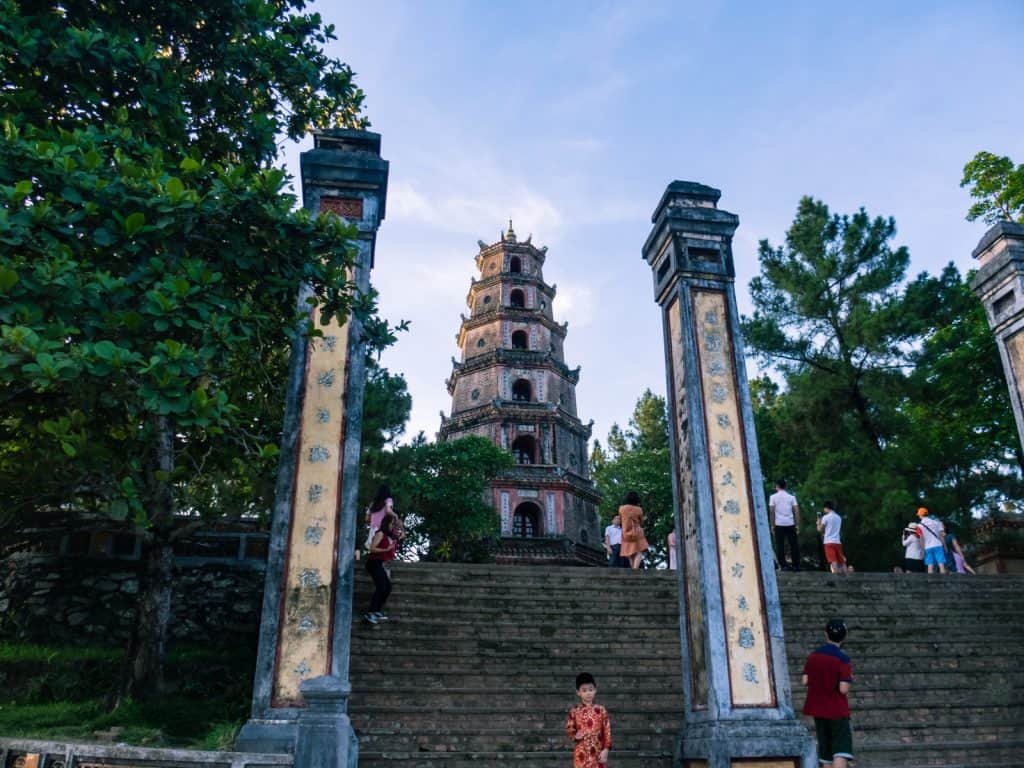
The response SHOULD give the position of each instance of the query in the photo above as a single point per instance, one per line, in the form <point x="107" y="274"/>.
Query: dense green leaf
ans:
<point x="158" y="310"/>
<point x="892" y="396"/>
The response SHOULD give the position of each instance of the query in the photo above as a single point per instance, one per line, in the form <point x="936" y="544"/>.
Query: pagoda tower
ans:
<point x="513" y="387"/>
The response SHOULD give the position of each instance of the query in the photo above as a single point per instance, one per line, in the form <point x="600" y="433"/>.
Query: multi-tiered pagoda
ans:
<point x="512" y="386"/>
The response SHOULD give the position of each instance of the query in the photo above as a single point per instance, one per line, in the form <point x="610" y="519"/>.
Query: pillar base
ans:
<point x="325" y="738"/>
<point x="717" y="744"/>
<point x="276" y="736"/>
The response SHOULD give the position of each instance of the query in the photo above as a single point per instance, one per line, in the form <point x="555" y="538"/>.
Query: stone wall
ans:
<point x="84" y="600"/>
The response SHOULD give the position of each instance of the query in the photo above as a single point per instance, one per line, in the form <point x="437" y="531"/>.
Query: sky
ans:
<point x="571" y="118"/>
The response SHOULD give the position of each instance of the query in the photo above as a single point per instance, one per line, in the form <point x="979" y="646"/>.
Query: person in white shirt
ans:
<point x="785" y="520"/>
<point x="933" y="534"/>
<point x="829" y="525"/>
<point x="613" y="542"/>
<point x="913" y="550"/>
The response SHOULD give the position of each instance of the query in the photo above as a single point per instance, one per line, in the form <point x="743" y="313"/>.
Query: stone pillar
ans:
<point x="999" y="283"/>
<point x="736" y="685"/>
<point x="307" y="603"/>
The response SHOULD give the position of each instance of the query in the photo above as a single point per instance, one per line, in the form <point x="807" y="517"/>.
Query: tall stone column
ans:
<point x="736" y="685"/>
<point x="307" y="603"/>
<point x="999" y="283"/>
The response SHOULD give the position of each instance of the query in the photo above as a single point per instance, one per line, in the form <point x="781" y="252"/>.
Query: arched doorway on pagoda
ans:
<point x="526" y="520"/>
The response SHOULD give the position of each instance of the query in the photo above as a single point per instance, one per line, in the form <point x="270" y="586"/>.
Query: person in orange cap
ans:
<point x="933" y="535"/>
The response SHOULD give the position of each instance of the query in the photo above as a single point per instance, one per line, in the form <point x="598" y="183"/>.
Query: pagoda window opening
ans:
<point x="524" y="450"/>
<point x="526" y="520"/>
<point x="515" y="265"/>
<point x="522" y="391"/>
<point x="520" y="340"/>
<point x="517" y="299"/>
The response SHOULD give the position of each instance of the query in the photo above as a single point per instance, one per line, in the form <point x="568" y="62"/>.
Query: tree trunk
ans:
<point x="150" y="636"/>
<point x="146" y="654"/>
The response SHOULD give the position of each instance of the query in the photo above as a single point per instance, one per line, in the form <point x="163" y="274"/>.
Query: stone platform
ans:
<point x="476" y="666"/>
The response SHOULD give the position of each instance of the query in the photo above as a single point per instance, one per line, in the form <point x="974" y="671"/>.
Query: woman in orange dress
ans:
<point x="633" y="542"/>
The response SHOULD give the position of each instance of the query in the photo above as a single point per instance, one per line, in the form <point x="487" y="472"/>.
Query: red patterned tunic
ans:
<point x="593" y="723"/>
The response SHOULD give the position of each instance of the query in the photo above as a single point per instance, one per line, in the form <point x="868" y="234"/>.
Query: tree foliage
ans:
<point x="892" y="392"/>
<point x="150" y="259"/>
<point x="997" y="186"/>
<point x="638" y="459"/>
<point x="443" y="494"/>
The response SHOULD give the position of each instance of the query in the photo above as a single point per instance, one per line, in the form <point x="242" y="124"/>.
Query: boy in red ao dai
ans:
<point x="588" y="726"/>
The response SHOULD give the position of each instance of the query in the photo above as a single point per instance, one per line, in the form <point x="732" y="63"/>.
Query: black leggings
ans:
<point x="783" y="534"/>
<point x="913" y="565"/>
<point x="381" y="584"/>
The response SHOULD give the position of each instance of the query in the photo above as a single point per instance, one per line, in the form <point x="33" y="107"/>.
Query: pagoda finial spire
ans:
<point x="510" y="236"/>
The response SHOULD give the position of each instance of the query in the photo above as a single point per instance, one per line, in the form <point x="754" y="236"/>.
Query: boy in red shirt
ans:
<point x="827" y="675"/>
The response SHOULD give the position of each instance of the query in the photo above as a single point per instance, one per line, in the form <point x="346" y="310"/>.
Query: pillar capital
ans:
<point x="691" y="237"/>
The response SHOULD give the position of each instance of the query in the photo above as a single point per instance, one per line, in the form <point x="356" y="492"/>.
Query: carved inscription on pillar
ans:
<point x="307" y="613"/>
<point x="1015" y="351"/>
<point x="346" y="207"/>
<point x="742" y="600"/>
<point x="691" y="562"/>
<point x="506" y="514"/>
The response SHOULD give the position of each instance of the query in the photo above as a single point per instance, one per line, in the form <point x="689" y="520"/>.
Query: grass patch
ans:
<point x="27" y="652"/>
<point x="65" y="693"/>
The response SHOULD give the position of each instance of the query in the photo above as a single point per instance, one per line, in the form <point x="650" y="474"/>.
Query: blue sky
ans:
<point x="572" y="117"/>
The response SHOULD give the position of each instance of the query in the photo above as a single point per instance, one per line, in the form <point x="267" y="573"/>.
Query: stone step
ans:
<point x="613" y="681"/>
<point x="953" y="753"/>
<point x="856" y="589"/>
<point x="665" y="612"/>
<point x="472" y="698"/>
<point x="439" y="632"/>
<point x="382" y="638"/>
<point x="547" y="759"/>
<point x="524" y="625"/>
<point x="491" y="739"/>
<point x="545" y="709"/>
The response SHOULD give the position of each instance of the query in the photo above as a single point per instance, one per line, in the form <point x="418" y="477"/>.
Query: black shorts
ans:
<point x="835" y="739"/>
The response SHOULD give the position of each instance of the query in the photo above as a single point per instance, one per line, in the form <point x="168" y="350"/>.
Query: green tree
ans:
<point x="150" y="260"/>
<point x="443" y="495"/>
<point x="960" y="444"/>
<point x="386" y="407"/>
<point x="892" y="396"/>
<point x="997" y="186"/>
<point x="828" y="302"/>
<point x="639" y="459"/>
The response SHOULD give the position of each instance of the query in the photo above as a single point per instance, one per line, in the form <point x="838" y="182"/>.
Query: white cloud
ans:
<point x="490" y="205"/>
<point x="576" y="304"/>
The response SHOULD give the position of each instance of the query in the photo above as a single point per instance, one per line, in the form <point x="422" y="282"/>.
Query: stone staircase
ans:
<point x="476" y="666"/>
